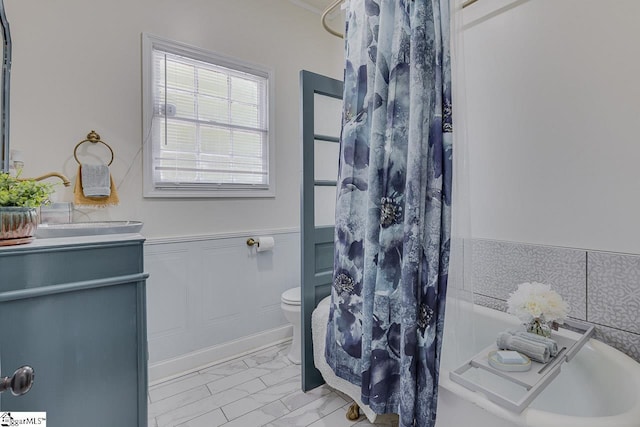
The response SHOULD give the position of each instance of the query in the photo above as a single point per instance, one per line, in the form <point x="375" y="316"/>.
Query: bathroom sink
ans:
<point x="73" y="229"/>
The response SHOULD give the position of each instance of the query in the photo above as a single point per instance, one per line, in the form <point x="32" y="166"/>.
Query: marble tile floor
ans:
<point x="259" y="389"/>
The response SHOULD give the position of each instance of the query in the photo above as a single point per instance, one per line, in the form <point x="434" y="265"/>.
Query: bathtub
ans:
<point x="600" y="387"/>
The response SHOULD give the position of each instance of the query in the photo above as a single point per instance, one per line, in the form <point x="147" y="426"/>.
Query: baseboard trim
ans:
<point x="178" y="366"/>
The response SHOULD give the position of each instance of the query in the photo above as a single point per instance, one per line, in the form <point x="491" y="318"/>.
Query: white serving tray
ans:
<point x="534" y="380"/>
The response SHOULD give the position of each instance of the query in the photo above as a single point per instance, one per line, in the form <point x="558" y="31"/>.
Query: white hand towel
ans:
<point x="96" y="181"/>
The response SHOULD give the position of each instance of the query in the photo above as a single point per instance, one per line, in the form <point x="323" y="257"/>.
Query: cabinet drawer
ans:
<point x="43" y="266"/>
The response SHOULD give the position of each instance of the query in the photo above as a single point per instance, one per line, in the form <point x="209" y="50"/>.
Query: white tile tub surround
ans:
<point x="626" y="342"/>
<point x="610" y="288"/>
<point x="241" y="401"/>
<point x="614" y="290"/>
<point x="499" y="267"/>
<point x="212" y="297"/>
<point x="494" y="303"/>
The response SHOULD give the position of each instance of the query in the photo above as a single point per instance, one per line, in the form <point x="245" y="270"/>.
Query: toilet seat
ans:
<point x="291" y="296"/>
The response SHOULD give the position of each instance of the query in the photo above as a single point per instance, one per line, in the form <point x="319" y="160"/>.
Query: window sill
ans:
<point x="209" y="194"/>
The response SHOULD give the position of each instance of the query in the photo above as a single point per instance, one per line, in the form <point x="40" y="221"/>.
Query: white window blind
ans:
<point x="210" y="128"/>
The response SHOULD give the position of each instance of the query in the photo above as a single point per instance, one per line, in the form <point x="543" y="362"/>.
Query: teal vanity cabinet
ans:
<point x="74" y="309"/>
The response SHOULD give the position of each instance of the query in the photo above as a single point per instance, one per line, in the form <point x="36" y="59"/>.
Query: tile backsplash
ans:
<point x="56" y="213"/>
<point x="499" y="267"/>
<point x="602" y="288"/>
<point x="614" y="290"/>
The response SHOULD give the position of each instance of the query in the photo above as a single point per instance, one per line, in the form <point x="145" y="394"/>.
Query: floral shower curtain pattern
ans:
<point x="393" y="210"/>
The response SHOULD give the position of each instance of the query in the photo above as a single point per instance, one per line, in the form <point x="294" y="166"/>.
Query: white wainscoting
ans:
<point x="213" y="297"/>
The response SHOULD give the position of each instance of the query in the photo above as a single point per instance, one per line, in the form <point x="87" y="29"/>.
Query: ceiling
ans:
<point x="316" y="6"/>
<point x="334" y="20"/>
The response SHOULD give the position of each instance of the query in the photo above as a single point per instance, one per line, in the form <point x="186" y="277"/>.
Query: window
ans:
<point x="206" y="121"/>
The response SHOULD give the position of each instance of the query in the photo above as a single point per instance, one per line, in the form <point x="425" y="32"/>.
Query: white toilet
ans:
<point x="290" y="303"/>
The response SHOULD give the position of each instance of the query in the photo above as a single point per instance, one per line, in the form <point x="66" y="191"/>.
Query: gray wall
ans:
<point x="602" y="288"/>
<point x="106" y="96"/>
<point x="553" y="133"/>
<point x="553" y="155"/>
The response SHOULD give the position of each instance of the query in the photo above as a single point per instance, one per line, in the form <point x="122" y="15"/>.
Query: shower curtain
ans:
<point x="393" y="207"/>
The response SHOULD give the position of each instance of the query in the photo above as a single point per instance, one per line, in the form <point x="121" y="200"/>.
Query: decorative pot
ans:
<point x="539" y="326"/>
<point x="17" y="225"/>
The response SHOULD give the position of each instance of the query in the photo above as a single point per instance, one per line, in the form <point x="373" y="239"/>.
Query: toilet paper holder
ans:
<point x="261" y="243"/>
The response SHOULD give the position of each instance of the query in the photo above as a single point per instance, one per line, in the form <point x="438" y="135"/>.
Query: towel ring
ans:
<point x="94" y="138"/>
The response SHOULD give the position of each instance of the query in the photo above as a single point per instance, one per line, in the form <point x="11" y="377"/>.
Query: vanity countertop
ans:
<point x="74" y="241"/>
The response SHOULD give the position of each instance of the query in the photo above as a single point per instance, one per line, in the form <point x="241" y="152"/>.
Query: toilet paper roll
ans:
<point x="266" y="243"/>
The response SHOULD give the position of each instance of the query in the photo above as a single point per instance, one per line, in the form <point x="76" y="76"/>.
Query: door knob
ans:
<point x="20" y="382"/>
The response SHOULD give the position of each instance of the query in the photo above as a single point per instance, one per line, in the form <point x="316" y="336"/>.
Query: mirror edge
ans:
<point x="6" y="79"/>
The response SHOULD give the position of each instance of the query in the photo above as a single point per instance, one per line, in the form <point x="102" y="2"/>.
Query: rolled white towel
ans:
<point x="551" y="344"/>
<point x="535" y="350"/>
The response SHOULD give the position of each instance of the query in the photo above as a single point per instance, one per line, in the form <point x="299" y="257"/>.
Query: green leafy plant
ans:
<point x="27" y="193"/>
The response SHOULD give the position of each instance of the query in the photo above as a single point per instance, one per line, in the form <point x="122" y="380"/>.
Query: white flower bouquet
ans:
<point x="537" y="301"/>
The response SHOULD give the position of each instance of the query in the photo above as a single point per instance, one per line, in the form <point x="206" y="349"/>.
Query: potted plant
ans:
<point x="19" y="200"/>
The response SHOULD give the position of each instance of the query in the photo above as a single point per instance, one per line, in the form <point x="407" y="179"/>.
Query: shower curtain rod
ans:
<point x="337" y="3"/>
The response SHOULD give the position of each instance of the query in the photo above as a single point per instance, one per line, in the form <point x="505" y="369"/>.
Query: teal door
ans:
<point x="321" y="121"/>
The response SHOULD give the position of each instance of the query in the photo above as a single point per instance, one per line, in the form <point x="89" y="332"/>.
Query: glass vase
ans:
<point x="539" y="326"/>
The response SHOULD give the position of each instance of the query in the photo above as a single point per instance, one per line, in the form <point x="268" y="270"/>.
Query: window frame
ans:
<point x="150" y="188"/>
